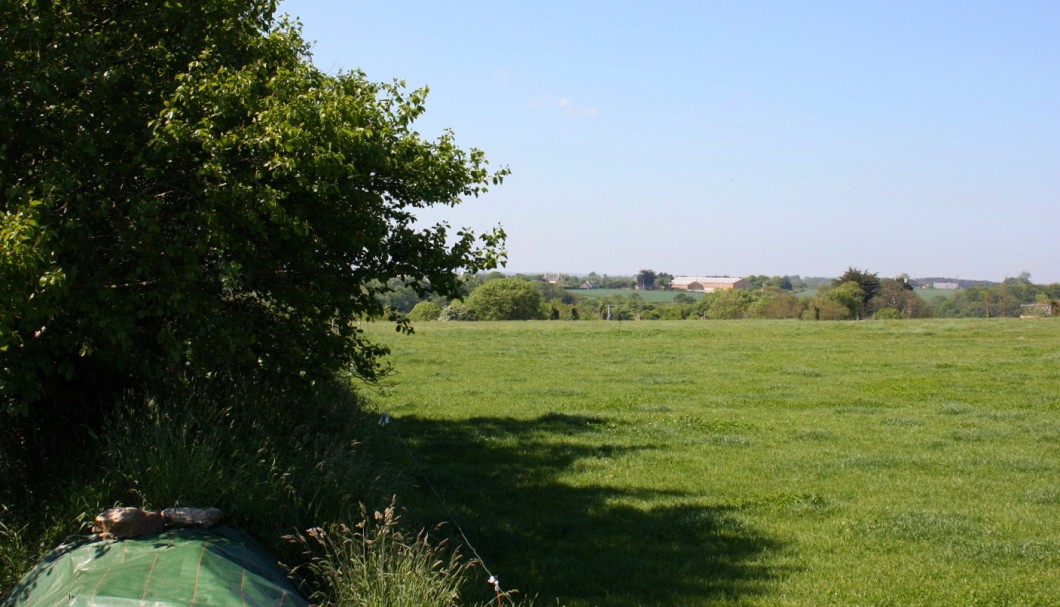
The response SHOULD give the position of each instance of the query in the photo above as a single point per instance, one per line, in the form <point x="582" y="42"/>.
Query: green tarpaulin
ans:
<point x="219" y="567"/>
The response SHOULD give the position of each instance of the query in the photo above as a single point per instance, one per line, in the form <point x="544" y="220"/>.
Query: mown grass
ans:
<point x="742" y="463"/>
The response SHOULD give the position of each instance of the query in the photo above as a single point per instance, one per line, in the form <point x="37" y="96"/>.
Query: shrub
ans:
<point x="827" y="309"/>
<point x="506" y="299"/>
<point x="425" y="310"/>
<point x="887" y="314"/>
<point x="197" y="197"/>
<point x="777" y="304"/>
<point x="457" y="310"/>
<point x="729" y="305"/>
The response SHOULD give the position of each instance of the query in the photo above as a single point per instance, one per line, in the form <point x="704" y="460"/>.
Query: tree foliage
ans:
<point x="777" y="303"/>
<point x="457" y="310"/>
<point x="663" y="280"/>
<point x="505" y="299"/>
<point x="183" y="191"/>
<point x="425" y="310"/>
<point x="867" y="282"/>
<point x="898" y="295"/>
<point x="843" y="301"/>
<point x="550" y="292"/>
<point x="996" y="300"/>
<point x="645" y="280"/>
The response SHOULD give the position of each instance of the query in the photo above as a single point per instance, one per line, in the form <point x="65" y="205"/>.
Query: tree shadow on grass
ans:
<point x="501" y="481"/>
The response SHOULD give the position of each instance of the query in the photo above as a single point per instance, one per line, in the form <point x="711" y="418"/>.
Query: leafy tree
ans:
<point x="1008" y="299"/>
<point x="995" y="300"/>
<point x="847" y="295"/>
<point x="401" y="296"/>
<point x="616" y="282"/>
<point x="457" y="310"/>
<point x="1021" y="289"/>
<point x="645" y="280"/>
<point x="730" y="305"/>
<point x="867" y="282"/>
<point x="887" y="314"/>
<point x="684" y="298"/>
<point x="757" y="281"/>
<point x="675" y="311"/>
<point x="425" y="310"/>
<point x="776" y="303"/>
<point x="762" y="281"/>
<point x="811" y="282"/>
<point x="634" y="305"/>
<point x="182" y="191"/>
<point x="551" y="292"/>
<point x="900" y="296"/>
<point x="825" y="308"/>
<point x="1024" y="278"/>
<point x="613" y="307"/>
<point x="505" y="299"/>
<point x="494" y="275"/>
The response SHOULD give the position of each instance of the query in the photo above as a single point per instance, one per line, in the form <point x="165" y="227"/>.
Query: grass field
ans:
<point x="926" y="294"/>
<point x="742" y="463"/>
<point x="662" y="296"/>
<point x="931" y="293"/>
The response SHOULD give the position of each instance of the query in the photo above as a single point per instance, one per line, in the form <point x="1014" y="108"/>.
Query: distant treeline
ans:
<point x="856" y="294"/>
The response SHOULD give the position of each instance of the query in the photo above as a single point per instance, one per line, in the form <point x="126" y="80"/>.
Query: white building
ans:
<point x="709" y="284"/>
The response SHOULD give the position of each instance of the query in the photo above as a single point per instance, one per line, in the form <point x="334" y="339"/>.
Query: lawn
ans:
<point x="741" y="462"/>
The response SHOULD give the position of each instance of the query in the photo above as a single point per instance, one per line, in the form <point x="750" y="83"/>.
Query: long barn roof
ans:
<point x="725" y="280"/>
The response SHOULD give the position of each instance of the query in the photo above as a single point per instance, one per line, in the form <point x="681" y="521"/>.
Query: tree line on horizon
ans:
<point x="855" y="295"/>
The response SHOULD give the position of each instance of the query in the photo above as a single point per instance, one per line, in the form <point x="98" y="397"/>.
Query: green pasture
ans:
<point x="657" y="296"/>
<point x="925" y="294"/>
<point x="931" y="293"/>
<point x="740" y="462"/>
<point x="662" y="296"/>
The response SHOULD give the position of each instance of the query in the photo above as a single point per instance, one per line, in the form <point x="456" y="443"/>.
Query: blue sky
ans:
<point x="737" y="137"/>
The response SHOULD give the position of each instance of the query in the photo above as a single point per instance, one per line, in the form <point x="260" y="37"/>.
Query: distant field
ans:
<point x="743" y="462"/>
<point x="925" y="294"/>
<point x="668" y="296"/>
<point x="929" y="294"/>
<point x="657" y="296"/>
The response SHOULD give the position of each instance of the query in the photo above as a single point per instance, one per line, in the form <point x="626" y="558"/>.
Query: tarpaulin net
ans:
<point x="219" y="567"/>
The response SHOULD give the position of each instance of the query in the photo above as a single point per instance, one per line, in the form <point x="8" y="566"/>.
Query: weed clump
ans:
<point x="374" y="562"/>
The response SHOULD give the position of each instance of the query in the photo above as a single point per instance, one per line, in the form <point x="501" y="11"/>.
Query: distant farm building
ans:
<point x="945" y="285"/>
<point x="552" y="278"/>
<point x="1037" y="310"/>
<point x="709" y="284"/>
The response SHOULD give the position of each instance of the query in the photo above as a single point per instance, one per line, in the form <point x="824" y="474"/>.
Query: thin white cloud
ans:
<point x="566" y="105"/>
